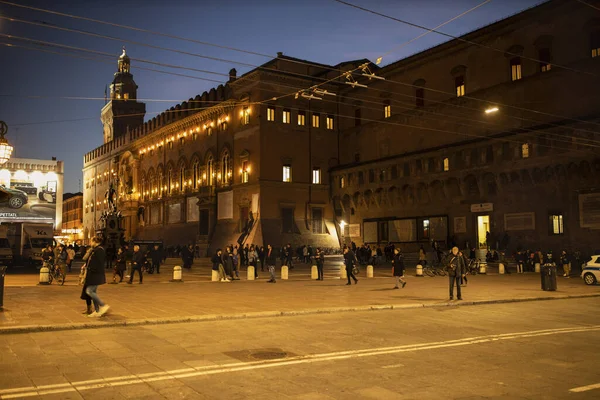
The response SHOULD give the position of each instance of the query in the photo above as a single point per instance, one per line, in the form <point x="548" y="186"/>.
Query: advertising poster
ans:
<point x="29" y="195"/>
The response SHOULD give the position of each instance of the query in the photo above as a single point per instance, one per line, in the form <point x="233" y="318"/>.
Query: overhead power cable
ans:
<point x="264" y="68"/>
<point x="296" y="87"/>
<point x="459" y="38"/>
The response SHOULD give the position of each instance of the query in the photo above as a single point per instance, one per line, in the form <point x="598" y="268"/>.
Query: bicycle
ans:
<point x="55" y="273"/>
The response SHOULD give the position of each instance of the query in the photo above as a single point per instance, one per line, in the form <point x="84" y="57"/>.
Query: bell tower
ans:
<point x="122" y="111"/>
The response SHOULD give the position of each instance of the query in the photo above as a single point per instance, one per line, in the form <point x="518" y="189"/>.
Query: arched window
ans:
<point x="196" y="174"/>
<point x="161" y="183"/>
<point x="170" y="180"/>
<point x="225" y="167"/>
<point x="181" y="176"/>
<point x="210" y="173"/>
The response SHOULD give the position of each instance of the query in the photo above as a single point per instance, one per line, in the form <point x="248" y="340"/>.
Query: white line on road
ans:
<point x="245" y="366"/>
<point x="585" y="388"/>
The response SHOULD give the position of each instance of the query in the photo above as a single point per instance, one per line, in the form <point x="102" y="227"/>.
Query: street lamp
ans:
<point x="5" y="148"/>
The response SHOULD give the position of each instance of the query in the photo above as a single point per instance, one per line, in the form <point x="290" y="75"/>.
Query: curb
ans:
<point x="269" y="314"/>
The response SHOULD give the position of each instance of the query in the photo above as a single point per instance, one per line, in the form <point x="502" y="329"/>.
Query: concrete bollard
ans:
<point x="314" y="272"/>
<point x="177" y="274"/>
<point x="482" y="269"/>
<point x="44" y="276"/>
<point x="250" y="273"/>
<point x="537" y="267"/>
<point x="343" y="274"/>
<point x="369" y="271"/>
<point x="284" y="272"/>
<point x="501" y="269"/>
<point x="419" y="270"/>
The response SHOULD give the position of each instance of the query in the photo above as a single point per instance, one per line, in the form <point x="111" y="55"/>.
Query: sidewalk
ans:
<point x="29" y="307"/>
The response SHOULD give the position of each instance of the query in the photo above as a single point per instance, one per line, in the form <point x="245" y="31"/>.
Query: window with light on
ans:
<point x="329" y="122"/>
<point x="287" y="173"/>
<point x="316" y="178"/>
<point x="270" y="114"/>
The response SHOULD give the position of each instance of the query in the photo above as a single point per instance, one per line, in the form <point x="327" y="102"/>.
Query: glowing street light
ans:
<point x="491" y="110"/>
<point x="5" y="148"/>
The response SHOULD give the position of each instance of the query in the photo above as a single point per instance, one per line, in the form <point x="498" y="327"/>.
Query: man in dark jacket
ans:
<point x="455" y="264"/>
<point x="270" y="259"/>
<point x="187" y="256"/>
<point x="398" y="266"/>
<point x="95" y="277"/>
<point x="137" y="262"/>
<point x="156" y="257"/>
<point x="349" y="260"/>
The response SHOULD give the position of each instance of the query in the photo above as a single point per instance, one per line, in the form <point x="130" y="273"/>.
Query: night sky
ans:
<point x="318" y="30"/>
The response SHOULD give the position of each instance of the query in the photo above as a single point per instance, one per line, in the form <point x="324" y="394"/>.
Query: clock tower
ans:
<point x="123" y="111"/>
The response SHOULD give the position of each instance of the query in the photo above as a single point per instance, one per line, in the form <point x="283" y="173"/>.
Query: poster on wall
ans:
<point x="460" y="224"/>
<point x="193" y="212"/>
<point x="225" y="205"/>
<point x="402" y="230"/>
<point x="174" y="213"/>
<point x="29" y="195"/>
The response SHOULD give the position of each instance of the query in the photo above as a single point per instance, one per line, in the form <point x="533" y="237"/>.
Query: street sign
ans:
<point x="482" y="207"/>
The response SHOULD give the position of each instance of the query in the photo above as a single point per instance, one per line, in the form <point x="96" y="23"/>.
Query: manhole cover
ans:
<point x="268" y="355"/>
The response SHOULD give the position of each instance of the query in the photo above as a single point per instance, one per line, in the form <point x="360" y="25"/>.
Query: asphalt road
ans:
<point x="535" y="350"/>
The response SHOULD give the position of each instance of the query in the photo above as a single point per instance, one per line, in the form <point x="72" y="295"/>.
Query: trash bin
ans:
<point x="2" y="274"/>
<point x="548" y="275"/>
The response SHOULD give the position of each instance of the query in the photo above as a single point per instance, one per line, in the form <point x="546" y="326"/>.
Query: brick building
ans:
<point x="494" y="131"/>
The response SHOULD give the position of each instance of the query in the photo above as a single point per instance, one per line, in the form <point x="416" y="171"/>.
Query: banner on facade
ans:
<point x="225" y="205"/>
<point x="193" y="212"/>
<point x="589" y="210"/>
<point x="174" y="213"/>
<point x="255" y="198"/>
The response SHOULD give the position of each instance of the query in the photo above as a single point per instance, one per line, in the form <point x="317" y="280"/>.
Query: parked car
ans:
<point x="13" y="197"/>
<point x="26" y="187"/>
<point x="47" y="196"/>
<point x="590" y="271"/>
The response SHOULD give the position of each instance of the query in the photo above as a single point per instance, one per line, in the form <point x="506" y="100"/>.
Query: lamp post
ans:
<point x="5" y="148"/>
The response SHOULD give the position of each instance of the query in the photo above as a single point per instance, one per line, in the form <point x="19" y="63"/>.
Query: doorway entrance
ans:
<point x="483" y="227"/>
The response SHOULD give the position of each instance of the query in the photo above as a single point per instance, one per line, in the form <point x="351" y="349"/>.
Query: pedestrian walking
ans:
<point x="566" y="263"/>
<point x="270" y="260"/>
<point x="156" y="257"/>
<point x="137" y="262"/>
<point x="70" y="257"/>
<point x="217" y="261"/>
<point x="187" y="256"/>
<point x="398" y="268"/>
<point x="95" y="277"/>
<point x="349" y="261"/>
<point x="456" y="269"/>
<point x="261" y="255"/>
<point x="120" y="266"/>
<point x="320" y="258"/>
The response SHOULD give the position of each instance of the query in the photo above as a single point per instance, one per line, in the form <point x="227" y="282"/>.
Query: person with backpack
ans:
<point x="455" y="265"/>
<point x="398" y="268"/>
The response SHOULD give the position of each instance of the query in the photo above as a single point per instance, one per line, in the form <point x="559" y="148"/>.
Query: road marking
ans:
<point x="311" y="358"/>
<point x="585" y="388"/>
<point x="393" y="366"/>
